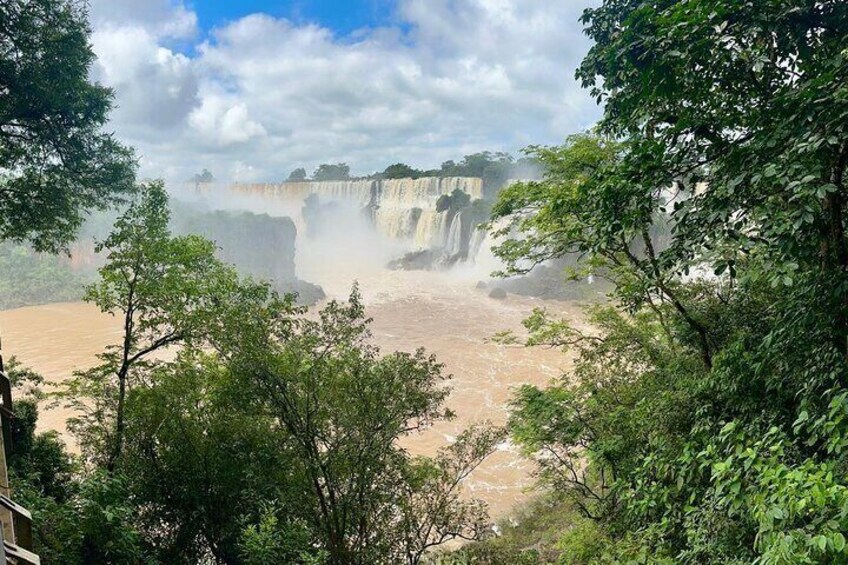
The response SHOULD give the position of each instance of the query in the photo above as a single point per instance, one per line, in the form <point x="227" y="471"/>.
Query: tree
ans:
<point x="204" y="177"/>
<point x="431" y="509"/>
<point x="326" y="172"/>
<point x="165" y="289"/>
<point x="197" y="420"/>
<point x="401" y="171"/>
<point x="749" y="98"/>
<point x="342" y="408"/>
<point x="28" y="278"/>
<point x="56" y="159"/>
<point x="703" y="415"/>
<point x="297" y="175"/>
<point x="493" y="168"/>
<point x="77" y="518"/>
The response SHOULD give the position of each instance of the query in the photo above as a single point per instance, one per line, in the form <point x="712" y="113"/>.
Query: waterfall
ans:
<point x="402" y="210"/>
<point x="454" y="242"/>
<point x="478" y="238"/>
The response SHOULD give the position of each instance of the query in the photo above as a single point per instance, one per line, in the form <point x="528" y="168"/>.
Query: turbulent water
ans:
<point x="440" y="311"/>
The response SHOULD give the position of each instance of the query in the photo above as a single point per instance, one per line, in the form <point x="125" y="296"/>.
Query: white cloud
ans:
<point x="164" y="18"/>
<point x="261" y="96"/>
<point x="224" y="122"/>
<point x="156" y="87"/>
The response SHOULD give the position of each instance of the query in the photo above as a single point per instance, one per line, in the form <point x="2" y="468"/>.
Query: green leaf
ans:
<point x="838" y="541"/>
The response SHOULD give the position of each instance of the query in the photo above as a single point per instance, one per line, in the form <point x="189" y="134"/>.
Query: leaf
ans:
<point x="821" y="542"/>
<point x="838" y="541"/>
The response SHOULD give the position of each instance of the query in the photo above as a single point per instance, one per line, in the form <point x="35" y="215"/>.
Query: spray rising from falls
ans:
<point x="434" y="219"/>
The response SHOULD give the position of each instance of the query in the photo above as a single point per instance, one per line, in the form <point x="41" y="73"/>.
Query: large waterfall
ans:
<point x="425" y="214"/>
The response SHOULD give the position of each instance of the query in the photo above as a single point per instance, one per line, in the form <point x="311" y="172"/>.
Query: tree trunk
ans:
<point x="119" y="421"/>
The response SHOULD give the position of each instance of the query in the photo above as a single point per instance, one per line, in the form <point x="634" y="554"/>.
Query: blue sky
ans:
<point x="342" y="16"/>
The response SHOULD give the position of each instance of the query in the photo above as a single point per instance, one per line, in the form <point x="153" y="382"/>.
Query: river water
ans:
<point x="443" y="313"/>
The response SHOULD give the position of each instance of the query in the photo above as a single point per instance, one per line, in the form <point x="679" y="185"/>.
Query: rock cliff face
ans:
<point x="257" y="244"/>
<point x="436" y="215"/>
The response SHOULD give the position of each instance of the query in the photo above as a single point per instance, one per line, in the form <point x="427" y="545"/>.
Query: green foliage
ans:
<point x="341" y="407"/>
<point x="453" y="202"/>
<point x="493" y="168"/>
<point x="328" y="172"/>
<point x="704" y="418"/>
<point x="95" y="524"/>
<point x="78" y="518"/>
<point x="38" y="459"/>
<point x="57" y="161"/>
<point x="582" y="544"/>
<point x="166" y="291"/>
<point x="271" y="541"/>
<point x="297" y="175"/>
<point x="749" y="97"/>
<point x="548" y="530"/>
<point x="197" y="421"/>
<point x="401" y="171"/>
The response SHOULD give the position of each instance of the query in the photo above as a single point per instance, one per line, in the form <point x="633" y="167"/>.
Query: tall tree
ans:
<point x="57" y="162"/>
<point x="342" y="408"/>
<point x="750" y="97"/>
<point x="196" y="420"/>
<point x="165" y="290"/>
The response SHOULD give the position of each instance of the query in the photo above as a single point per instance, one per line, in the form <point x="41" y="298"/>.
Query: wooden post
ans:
<point x="5" y="513"/>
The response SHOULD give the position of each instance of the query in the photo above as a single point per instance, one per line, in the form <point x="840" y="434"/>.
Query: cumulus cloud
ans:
<point x="224" y="122"/>
<point x="260" y="95"/>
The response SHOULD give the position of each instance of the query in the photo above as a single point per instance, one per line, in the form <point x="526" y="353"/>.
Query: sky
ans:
<point x="251" y="89"/>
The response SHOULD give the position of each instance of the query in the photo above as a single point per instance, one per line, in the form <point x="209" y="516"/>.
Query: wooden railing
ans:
<point x="16" y="530"/>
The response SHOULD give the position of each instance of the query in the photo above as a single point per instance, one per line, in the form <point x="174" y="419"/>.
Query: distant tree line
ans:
<point x="495" y="168"/>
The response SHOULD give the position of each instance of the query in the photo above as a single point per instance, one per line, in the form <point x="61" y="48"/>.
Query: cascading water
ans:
<point x="419" y="213"/>
<point x="454" y="242"/>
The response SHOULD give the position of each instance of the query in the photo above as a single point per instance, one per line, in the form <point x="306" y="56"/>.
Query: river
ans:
<point x="441" y="312"/>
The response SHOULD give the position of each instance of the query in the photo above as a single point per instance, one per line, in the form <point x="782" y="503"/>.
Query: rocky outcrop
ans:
<point x="258" y="245"/>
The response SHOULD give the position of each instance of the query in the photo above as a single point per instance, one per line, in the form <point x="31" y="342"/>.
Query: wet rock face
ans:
<point x="307" y="293"/>
<point x="424" y="260"/>
<point x="497" y="294"/>
<point x="258" y="245"/>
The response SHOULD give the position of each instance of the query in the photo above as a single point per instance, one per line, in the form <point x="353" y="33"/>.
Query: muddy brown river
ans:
<point x="445" y="314"/>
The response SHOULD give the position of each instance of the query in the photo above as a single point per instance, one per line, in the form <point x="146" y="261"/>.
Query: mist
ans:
<point x="350" y="231"/>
